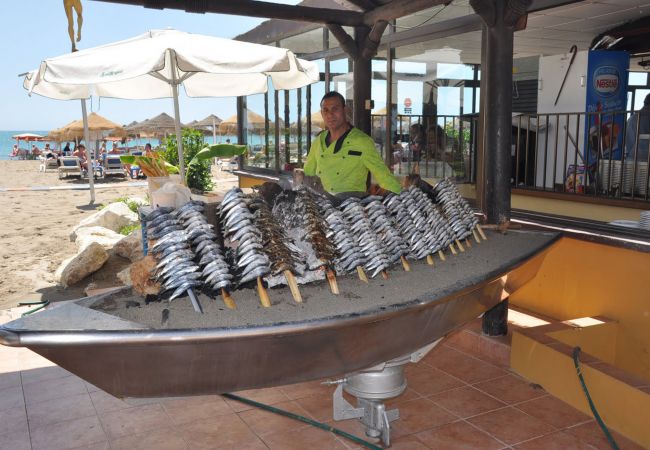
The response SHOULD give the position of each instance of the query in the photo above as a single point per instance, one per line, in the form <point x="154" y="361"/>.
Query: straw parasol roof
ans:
<point x="255" y="122"/>
<point x="209" y="121"/>
<point x="162" y="124"/>
<point x="316" y="120"/>
<point x="96" y="125"/>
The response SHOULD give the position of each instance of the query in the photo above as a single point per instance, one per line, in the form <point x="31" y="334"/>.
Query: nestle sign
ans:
<point x="606" y="81"/>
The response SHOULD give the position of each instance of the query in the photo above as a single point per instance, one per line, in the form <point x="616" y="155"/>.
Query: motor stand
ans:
<point x="371" y="387"/>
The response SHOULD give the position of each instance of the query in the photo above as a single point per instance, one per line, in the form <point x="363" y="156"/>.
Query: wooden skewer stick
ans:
<point x="405" y="264"/>
<point x="384" y="275"/>
<point x="264" y="296"/>
<point x="293" y="286"/>
<point x="480" y="231"/>
<point x="362" y="274"/>
<point x="441" y="255"/>
<point x="430" y="260"/>
<point x="476" y="238"/>
<point x="331" y="278"/>
<point x="468" y="243"/>
<point x="460" y="246"/>
<point x="453" y="249"/>
<point x="227" y="299"/>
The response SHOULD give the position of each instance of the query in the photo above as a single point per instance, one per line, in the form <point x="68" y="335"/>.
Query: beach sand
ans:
<point x="35" y="228"/>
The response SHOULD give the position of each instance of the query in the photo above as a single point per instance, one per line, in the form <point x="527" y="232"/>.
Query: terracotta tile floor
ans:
<point x="454" y="401"/>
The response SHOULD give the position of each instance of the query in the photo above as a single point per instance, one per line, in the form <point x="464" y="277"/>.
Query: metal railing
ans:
<point x="434" y="146"/>
<point x="584" y="154"/>
<point x="588" y="154"/>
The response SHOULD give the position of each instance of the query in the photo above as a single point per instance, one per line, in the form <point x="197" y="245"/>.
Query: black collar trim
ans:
<point x="339" y="141"/>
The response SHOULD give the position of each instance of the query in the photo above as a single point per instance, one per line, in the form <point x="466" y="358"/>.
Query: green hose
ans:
<point x="311" y="422"/>
<point x="608" y="435"/>
<point x="42" y="304"/>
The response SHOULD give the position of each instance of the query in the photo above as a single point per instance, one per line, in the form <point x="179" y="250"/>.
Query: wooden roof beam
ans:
<point x="399" y="8"/>
<point x="365" y="5"/>
<point x="255" y="8"/>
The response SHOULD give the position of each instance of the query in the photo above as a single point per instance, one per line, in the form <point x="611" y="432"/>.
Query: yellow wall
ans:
<point x="583" y="279"/>
<point x="597" y="340"/>
<point x="622" y="407"/>
<point x="248" y="182"/>
<point x="567" y="208"/>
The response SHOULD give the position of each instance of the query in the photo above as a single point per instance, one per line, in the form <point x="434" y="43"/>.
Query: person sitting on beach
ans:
<point x="114" y="150"/>
<point x="66" y="149"/>
<point x="35" y="150"/>
<point x="80" y="153"/>
<point x="15" y="152"/>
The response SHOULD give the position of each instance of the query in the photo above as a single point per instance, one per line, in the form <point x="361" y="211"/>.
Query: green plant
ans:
<point x="133" y="205"/>
<point x="198" y="175"/>
<point x="128" y="229"/>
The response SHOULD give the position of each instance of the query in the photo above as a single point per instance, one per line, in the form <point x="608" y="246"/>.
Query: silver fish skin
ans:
<point x="259" y="272"/>
<point x="182" y="289"/>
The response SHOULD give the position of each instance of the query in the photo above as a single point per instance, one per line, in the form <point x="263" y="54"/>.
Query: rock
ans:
<point x="90" y="259"/>
<point x="114" y="217"/>
<point x="141" y="201"/>
<point x="130" y="247"/>
<point x="103" y="236"/>
<point x="140" y="276"/>
<point x="125" y="276"/>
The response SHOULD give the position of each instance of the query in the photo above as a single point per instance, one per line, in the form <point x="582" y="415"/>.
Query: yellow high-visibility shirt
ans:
<point x="343" y="166"/>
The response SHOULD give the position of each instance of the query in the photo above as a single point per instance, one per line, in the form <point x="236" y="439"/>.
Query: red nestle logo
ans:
<point x="611" y="83"/>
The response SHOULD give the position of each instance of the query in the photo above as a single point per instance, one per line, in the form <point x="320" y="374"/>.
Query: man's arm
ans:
<point x="310" y="162"/>
<point x="379" y="170"/>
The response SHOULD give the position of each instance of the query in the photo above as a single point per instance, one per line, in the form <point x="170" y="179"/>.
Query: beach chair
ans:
<point x="70" y="165"/>
<point x="113" y="165"/>
<point x="46" y="163"/>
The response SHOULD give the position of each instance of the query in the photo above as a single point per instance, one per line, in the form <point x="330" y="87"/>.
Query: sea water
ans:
<point x="7" y="142"/>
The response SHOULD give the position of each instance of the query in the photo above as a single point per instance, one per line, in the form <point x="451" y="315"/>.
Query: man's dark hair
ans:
<point x="646" y="100"/>
<point x="333" y="94"/>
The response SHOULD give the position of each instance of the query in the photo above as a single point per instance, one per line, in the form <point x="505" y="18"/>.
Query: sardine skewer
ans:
<point x="476" y="238"/>
<point x="264" y="295"/>
<point x="384" y="275"/>
<point x="293" y="285"/>
<point x="362" y="274"/>
<point x="460" y="246"/>
<point x="441" y="255"/>
<point x="452" y="249"/>
<point x="195" y="301"/>
<point x="331" y="279"/>
<point x="430" y="260"/>
<point x="227" y="299"/>
<point x="480" y="231"/>
<point x="468" y="243"/>
<point x="405" y="264"/>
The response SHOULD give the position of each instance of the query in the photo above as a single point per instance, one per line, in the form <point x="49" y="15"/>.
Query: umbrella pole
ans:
<point x="89" y="162"/>
<point x="177" y="121"/>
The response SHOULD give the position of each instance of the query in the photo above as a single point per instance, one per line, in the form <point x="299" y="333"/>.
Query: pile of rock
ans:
<point x="97" y="238"/>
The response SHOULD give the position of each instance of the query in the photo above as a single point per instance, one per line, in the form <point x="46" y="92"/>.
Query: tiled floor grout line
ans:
<point x="175" y="425"/>
<point x="483" y="431"/>
<point x="29" y="428"/>
<point x="101" y="424"/>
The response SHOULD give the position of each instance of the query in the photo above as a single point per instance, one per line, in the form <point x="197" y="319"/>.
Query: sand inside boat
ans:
<point x="422" y="284"/>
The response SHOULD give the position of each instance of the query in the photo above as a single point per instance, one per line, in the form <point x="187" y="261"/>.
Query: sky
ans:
<point x="37" y="29"/>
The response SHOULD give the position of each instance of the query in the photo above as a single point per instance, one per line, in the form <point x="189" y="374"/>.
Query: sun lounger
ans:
<point x="113" y="165"/>
<point x="70" y="165"/>
<point x="47" y="163"/>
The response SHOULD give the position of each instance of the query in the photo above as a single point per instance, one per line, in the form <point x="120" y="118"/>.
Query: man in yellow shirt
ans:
<point x="343" y="155"/>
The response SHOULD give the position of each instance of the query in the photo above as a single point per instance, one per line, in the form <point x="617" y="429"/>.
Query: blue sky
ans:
<point x="37" y="29"/>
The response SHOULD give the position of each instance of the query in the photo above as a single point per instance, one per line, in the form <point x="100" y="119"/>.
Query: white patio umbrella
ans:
<point x="154" y="64"/>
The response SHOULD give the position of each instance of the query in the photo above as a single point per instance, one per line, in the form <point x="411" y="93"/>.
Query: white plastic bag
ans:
<point x="171" y="194"/>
